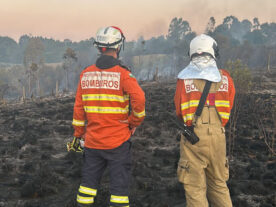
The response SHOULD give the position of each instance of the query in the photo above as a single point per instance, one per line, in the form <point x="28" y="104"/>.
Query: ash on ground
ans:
<point x="37" y="171"/>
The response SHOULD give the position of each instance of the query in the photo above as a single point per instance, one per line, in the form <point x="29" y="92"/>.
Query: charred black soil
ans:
<point x="37" y="171"/>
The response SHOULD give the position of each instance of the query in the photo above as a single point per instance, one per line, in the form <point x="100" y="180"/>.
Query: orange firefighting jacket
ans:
<point x="187" y="98"/>
<point x="102" y="99"/>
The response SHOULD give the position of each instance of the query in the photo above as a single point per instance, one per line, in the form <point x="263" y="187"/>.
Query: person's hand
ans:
<point x="132" y="129"/>
<point x="76" y="145"/>
<point x="124" y="121"/>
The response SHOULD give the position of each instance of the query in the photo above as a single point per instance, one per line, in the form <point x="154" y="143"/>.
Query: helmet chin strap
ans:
<point x="119" y="50"/>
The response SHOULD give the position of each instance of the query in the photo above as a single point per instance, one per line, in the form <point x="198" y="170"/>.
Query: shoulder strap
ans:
<point x="203" y="98"/>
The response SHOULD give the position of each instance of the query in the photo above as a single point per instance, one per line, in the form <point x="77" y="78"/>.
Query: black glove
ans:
<point x="76" y="145"/>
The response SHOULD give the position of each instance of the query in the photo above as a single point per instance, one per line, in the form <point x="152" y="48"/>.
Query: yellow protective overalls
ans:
<point x="203" y="168"/>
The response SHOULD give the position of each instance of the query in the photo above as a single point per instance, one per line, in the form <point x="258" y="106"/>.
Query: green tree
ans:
<point x="256" y="24"/>
<point x="9" y="50"/>
<point x="210" y="28"/>
<point x="178" y="29"/>
<point x="179" y="34"/>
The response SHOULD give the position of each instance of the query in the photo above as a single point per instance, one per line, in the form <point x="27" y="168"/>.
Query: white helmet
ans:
<point x="204" y="44"/>
<point x="109" y="37"/>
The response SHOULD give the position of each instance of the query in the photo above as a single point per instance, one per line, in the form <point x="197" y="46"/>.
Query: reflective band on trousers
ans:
<point x="192" y="103"/>
<point x="224" y="115"/>
<point x="119" y="199"/>
<point x="188" y="117"/>
<point x="104" y="97"/>
<point x="88" y="191"/>
<point x="78" y="122"/>
<point x="85" y="200"/>
<point x="105" y="110"/>
<point x="221" y="103"/>
<point x="139" y="115"/>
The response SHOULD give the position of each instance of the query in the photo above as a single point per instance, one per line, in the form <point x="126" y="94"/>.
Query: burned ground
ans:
<point x="37" y="171"/>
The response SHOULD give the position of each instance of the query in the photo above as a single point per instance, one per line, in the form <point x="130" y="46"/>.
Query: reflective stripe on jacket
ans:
<point x="188" y="94"/>
<point x="102" y="99"/>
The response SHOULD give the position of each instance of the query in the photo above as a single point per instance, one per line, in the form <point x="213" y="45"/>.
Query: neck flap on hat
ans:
<point x="202" y="67"/>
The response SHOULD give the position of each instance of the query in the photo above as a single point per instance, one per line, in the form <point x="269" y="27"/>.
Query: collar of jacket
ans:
<point x="106" y="61"/>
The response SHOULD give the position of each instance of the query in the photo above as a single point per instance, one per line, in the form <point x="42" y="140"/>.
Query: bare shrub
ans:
<point x="243" y="82"/>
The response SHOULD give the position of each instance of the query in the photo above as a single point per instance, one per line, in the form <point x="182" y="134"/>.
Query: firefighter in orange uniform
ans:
<point x="203" y="167"/>
<point x="102" y="113"/>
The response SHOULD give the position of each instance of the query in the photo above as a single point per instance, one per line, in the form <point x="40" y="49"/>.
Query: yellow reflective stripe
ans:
<point x="106" y="110"/>
<point x="224" y="115"/>
<point x="78" y="122"/>
<point x="119" y="199"/>
<point x="192" y="103"/>
<point x="104" y="97"/>
<point x="140" y="114"/>
<point x="188" y="117"/>
<point x="221" y="103"/>
<point x="88" y="191"/>
<point x="85" y="200"/>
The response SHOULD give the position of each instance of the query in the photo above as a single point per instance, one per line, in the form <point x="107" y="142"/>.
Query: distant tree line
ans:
<point x="247" y="40"/>
<point x="38" y="66"/>
<point x="13" y="52"/>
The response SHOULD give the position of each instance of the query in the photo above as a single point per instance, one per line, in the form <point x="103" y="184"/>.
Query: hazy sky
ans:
<point x="80" y="19"/>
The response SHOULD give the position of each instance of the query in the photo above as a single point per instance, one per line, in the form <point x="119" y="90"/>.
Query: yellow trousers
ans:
<point x="203" y="168"/>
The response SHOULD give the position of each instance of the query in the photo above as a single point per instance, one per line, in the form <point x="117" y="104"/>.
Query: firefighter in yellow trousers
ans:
<point x="203" y="167"/>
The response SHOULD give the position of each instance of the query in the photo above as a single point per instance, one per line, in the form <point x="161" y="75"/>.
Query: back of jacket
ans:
<point x="105" y="91"/>
<point x="189" y="91"/>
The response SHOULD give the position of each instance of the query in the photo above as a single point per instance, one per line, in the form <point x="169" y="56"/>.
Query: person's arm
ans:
<point x="232" y="91"/>
<point x="137" y="99"/>
<point x="177" y="98"/>
<point x="79" y="114"/>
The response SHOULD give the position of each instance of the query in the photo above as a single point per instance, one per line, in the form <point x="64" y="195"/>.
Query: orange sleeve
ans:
<point x="137" y="99"/>
<point x="79" y="114"/>
<point x="232" y="91"/>
<point x="177" y="98"/>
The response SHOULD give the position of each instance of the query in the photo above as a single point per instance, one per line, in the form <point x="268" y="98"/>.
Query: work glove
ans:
<point x="76" y="145"/>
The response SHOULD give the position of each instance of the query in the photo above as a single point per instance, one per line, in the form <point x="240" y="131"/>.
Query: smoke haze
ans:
<point x="80" y="19"/>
